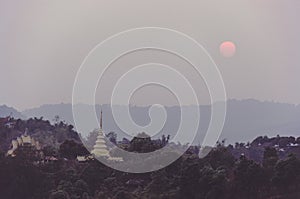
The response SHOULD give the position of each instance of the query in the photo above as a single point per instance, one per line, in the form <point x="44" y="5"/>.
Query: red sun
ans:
<point x="227" y="49"/>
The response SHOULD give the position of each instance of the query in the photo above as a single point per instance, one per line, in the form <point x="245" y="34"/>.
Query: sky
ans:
<point x="43" y="43"/>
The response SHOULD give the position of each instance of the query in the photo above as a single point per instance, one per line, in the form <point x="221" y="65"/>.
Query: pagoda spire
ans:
<point x="101" y="119"/>
<point x="100" y="148"/>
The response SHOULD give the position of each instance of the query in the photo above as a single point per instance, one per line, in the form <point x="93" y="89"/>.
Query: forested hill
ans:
<point x="55" y="134"/>
<point x="265" y="168"/>
<point x="47" y="134"/>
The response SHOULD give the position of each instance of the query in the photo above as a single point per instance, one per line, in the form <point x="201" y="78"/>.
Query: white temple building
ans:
<point x="100" y="149"/>
<point x="23" y="140"/>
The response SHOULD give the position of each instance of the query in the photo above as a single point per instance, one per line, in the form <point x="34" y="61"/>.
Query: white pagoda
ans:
<point x="100" y="149"/>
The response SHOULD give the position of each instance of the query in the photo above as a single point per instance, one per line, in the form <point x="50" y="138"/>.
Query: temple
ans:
<point x="24" y="140"/>
<point x="100" y="148"/>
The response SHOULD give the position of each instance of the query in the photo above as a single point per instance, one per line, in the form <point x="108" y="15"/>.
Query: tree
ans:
<point x="71" y="149"/>
<point x="270" y="158"/>
<point x="19" y="179"/>
<point x="80" y="187"/>
<point x="122" y="194"/>
<point x="112" y="137"/>
<point x="287" y="173"/>
<point x="189" y="180"/>
<point x="59" y="195"/>
<point x="159" y="183"/>
<point x="220" y="157"/>
<point x="56" y="119"/>
<point x="141" y="143"/>
<point x="249" y="178"/>
<point x="91" y="139"/>
<point x="49" y="151"/>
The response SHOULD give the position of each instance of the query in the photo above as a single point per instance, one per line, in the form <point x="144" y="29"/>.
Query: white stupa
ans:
<point x="100" y="149"/>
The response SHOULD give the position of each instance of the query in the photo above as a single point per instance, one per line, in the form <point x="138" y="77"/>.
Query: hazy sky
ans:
<point x="43" y="43"/>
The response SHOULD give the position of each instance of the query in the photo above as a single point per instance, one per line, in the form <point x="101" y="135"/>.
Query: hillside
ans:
<point x="262" y="169"/>
<point x="47" y="134"/>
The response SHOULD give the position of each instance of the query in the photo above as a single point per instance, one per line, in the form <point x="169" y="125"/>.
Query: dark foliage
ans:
<point x="262" y="169"/>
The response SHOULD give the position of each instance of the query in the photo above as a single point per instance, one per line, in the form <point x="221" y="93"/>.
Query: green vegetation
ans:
<point x="266" y="168"/>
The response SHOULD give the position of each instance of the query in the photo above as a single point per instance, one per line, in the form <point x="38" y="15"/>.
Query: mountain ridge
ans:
<point x="245" y="119"/>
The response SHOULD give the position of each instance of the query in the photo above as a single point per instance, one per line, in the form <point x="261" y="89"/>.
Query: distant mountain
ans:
<point x="245" y="119"/>
<point x="49" y="111"/>
<point x="9" y="111"/>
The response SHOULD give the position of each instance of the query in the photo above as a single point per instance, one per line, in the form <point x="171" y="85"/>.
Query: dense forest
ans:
<point x="266" y="168"/>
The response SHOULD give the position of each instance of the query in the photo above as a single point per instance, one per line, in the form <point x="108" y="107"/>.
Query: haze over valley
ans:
<point x="245" y="119"/>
